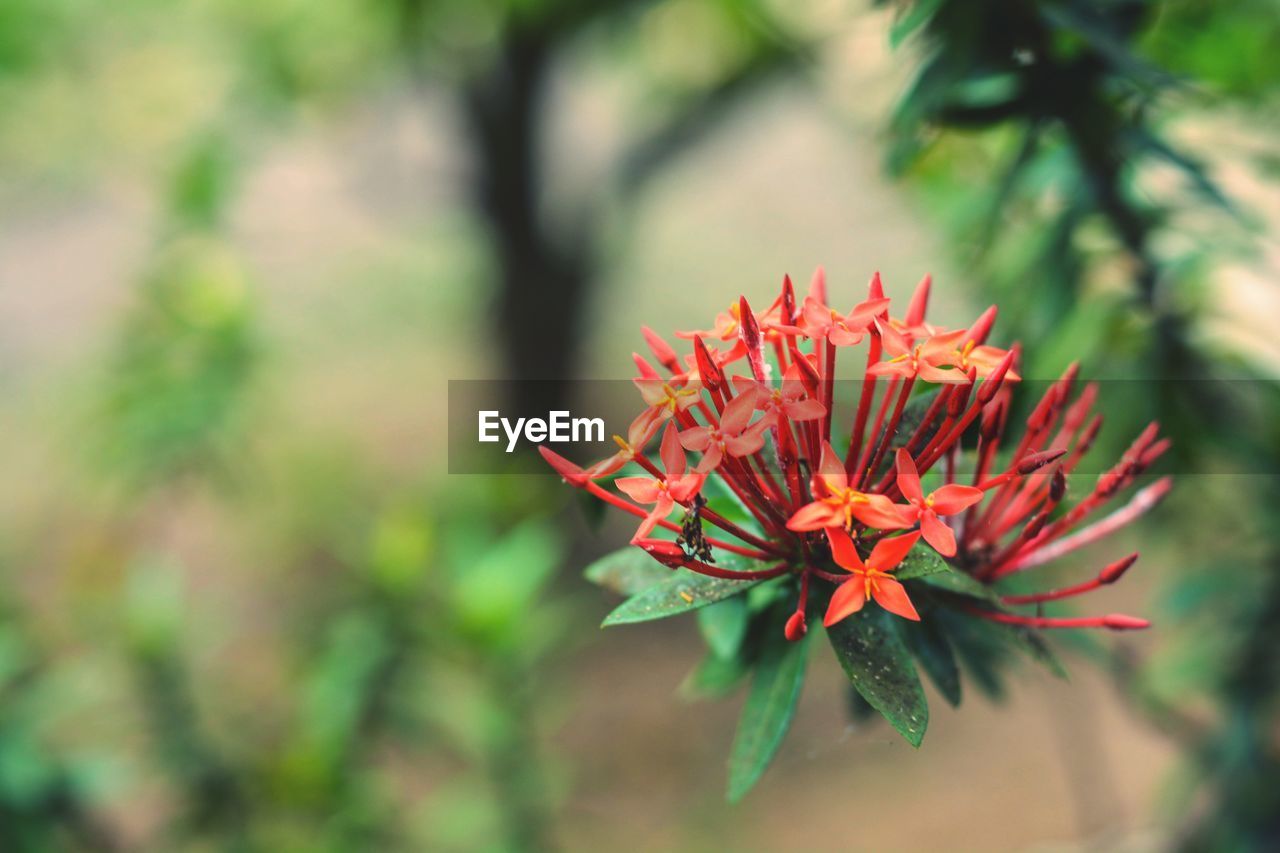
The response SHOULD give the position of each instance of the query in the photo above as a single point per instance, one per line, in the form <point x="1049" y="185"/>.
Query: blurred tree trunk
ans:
<point x="542" y="282"/>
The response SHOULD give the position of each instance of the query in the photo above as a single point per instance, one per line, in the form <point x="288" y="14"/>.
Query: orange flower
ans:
<point x="638" y="435"/>
<point x="838" y="504"/>
<point x="948" y="500"/>
<point x="871" y="578"/>
<point x="733" y="436"/>
<point x="665" y="492"/>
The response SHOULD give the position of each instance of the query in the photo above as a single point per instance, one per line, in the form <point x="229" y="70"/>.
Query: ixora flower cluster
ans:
<point x="910" y="526"/>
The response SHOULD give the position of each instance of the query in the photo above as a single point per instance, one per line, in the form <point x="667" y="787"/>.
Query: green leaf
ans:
<point x="954" y="581"/>
<point x="626" y="571"/>
<point x="1037" y="648"/>
<point x="908" y="21"/>
<point x="932" y="649"/>
<point x="768" y="712"/>
<point x="724" y="625"/>
<point x="879" y="665"/>
<point x="920" y="562"/>
<point x="679" y="593"/>
<point x="713" y="677"/>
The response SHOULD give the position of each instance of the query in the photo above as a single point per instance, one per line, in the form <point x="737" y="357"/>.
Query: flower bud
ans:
<point x="1112" y="573"/>
<point x="1057" y="486"/>
<point x="1121" y="622"/>
<point x="1036" y="461"/>
<point x="789" y="311"/>
<point x="572" y="474"/>
<point x="919" y="301"/>
<point x="708" y="371"/>
<point x="796" y="627"/>
<point x="661" y="350"/>
<point x="668" y="553"/>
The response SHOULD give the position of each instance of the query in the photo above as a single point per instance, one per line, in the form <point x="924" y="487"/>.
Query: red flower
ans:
<point x="664" y="398"/>
<point x="837" y="504"/>
<point x="663" y="492"/>
<point x="871" y="578"/>
<point x="822" y="323"/>
<point x="786" y="403"/>
<point x="638" y="435"/>
<point x="732" y="436"/>
<point x="925" y="360"/>
<point x="948" y="500"/>
<point x="1010" y="517"/>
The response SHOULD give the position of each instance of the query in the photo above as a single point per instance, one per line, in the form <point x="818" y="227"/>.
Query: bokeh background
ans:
<point x="246" y="244"/>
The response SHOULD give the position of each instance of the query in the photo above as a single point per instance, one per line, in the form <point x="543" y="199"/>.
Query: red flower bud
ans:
<point x="1112" y="573"/>
<point x="572" y="474"/>
<point x="1057" y="486"/>
<point x="667" y="553"/>
<point x="982" y="326"/>
<point x="919" y="301"/>
<point x="1121" y="622"/>
<point x="789" y="310"/>
<point x="875" y="290"/>
<point x="796" y="627"/>
<point x="661" y="350"/>
<point x="996" y="379"/>
<point x="1035" y="461"/>
<point x="709" y="372"/>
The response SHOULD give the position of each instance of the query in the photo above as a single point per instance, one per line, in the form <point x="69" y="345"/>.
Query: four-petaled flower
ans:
<point x="871" y="578"/>
<point x="818" y="322"/>
<point x="925" y="360"/>
<point x="663" y="492"/>
<point x="665" y="399"/>
<point x="638" y="435"/>
<point x="733" y="436"/>
<point x="838" y="504"/>
<point x="959" y="350"/>
<point x="946" y="500"/>
<point x="785" y="403"/>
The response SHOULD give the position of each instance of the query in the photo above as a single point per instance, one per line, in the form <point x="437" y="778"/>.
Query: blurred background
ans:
<point x="246" y="244"/>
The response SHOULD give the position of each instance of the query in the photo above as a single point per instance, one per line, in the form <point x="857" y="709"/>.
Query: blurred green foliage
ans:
<point x="1049" y="118"/>
<point x="410" y="631"/>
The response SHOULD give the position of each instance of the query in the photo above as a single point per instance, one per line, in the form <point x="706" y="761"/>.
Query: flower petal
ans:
<point x="696" y="438"/>
<point x="848" y="599"/>
<point x="672" y="453"/>
<point x="804" y="410"/>
<point x="642" y="490"/>
<point x="908" y="476"/>
<point x="892" y="596"/>
<point x="746" y="444"/>
<point x="888" y="553"/>
<point x="843" y="551"/>
<point x="883" y="514"/>
<point x="737" y="414"/>
<point x="937" y="534"/>
<point x="953" y="498"/>
<point x="815" y="516"/>
<point x="683" y="488"/>
<point x="710" y="460"/>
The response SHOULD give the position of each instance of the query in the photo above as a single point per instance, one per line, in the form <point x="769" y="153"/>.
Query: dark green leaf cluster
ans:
<point x="742" y="625"/>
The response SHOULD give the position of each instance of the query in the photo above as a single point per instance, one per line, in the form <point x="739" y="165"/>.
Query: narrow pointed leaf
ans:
<point x="933" y="651"/>
<point x="767" y="714"/>
<point x="1029" y="641"/>
<point x="626" y="571"/>
<point x="958" y="583"/>
<point x="879" y="665"/>
<point x="713" y="677"/>
<point x="724" y="625"/>
<point x="680" y="592"/>
<point x="921" y="562"/>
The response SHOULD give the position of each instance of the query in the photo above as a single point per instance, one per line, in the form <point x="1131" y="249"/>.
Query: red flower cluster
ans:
<point x="815" y="510"/>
